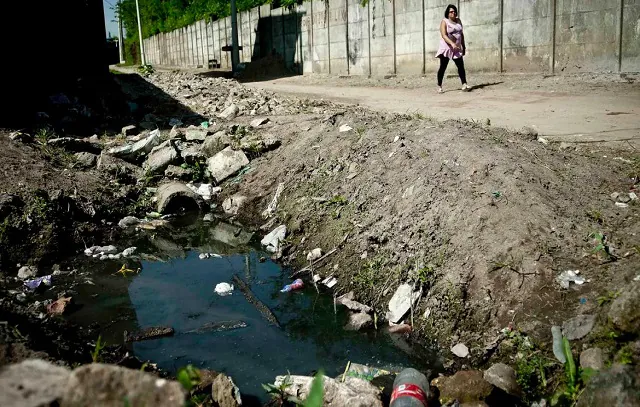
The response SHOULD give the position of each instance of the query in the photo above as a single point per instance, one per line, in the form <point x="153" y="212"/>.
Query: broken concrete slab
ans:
<point x="108" y="385"/>
<point x="85" y="159"/>
<point x="212" y="145"/>
<point x="503" y="377"/>
<point x="358" y="321"/>
<point x="226" y="163"/>
<point x="578" y="327"/>
<point x="176" y="172"/>
<point x="32" y="383"/>
<point x="193" y="133"/>
<point x="160" y="158"/>
<point x="224" y="392"/>
<point x="176" y="196"/>
<point x="230" y="112"/>
<point x="130" y="130"/>
<point x="232" y="204"/>
<point x="400" y="303"/>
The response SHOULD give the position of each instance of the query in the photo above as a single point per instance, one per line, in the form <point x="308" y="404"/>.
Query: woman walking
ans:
<point x="451" y="46"/>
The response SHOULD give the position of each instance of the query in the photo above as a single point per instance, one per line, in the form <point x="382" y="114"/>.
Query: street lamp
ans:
<point x="143" y="60"/>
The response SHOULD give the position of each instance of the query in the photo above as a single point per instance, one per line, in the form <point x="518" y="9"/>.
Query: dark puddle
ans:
<point x="176" y="288"/>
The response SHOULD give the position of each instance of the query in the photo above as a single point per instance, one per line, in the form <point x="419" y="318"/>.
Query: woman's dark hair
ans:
<point x="449" y="7"/>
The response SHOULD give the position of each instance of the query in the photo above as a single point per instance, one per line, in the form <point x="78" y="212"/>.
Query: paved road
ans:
<point x="559" y="116"/>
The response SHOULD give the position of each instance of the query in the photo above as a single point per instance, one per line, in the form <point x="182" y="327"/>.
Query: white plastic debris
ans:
<point x="314" y="254"/>
<point x="129" y="251"/>
<point x="633" y="196"/>
<point x="622" y="205"/>
<point x="345" y="128"/>
<point x="460" y="350"/>
<point x="316" y="278"/>
<point x="330" y="282"/>
<point x="203" y="256"/>
<point x="273" y="239"/>
<point x="395" y="140"/>
<point x="273" y="205"/>
<point x="570" y="276"/>
<point x="637" y="278"/>
<point x="223" y="289"/>
<point x="543" y="140"/>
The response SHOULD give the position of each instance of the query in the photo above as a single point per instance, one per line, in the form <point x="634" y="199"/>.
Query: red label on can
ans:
<point x="409" y="390"/>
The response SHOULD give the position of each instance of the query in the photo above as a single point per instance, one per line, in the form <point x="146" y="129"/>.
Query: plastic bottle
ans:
<point x="410" y="389"/>
<point x="293" y="286"/>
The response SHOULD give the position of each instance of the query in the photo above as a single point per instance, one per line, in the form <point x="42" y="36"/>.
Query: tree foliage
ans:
<point x="167" y="15"/>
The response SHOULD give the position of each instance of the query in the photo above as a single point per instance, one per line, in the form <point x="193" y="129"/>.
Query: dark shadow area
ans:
<point x="484" y="85"/>
<point x="49" y="46"/>
<point x="275" y="47"/>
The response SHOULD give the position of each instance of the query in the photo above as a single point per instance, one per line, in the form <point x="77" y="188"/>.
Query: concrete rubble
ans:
<point x="353" y="392"/>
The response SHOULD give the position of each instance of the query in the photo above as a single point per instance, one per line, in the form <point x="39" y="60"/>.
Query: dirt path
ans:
<point x="571" y="115"/>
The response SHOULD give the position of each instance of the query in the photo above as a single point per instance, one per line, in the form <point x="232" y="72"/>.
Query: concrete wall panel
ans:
<point x="481" y="22"/>
<point x="631" y="36"/>
<point x="527" y="35"/>
<point x="381" y="35"/>
<point x="409" y="37"/>
<point x="338" y="36"/>
<point x="320" y="39"/>
<point x="586" y="35"/>
<point x="358" y="26"/>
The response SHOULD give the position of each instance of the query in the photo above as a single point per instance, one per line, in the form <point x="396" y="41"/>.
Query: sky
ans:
<point x="110" y="18"/>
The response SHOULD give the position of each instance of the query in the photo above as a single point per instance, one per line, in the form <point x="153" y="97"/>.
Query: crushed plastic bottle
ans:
<point x="410" y="389"/>
<point x="297" y="284"/>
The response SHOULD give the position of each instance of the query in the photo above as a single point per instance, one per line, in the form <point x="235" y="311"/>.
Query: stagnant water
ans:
<point x="176" y="288"/>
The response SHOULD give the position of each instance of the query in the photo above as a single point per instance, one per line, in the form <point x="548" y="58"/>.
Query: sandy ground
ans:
<point x="586" y="108"/>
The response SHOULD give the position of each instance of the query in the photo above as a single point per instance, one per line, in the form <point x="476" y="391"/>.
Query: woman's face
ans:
<point x="452" y="14"/>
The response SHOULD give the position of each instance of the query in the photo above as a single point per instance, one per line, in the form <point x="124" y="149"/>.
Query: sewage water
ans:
<point x="176" y="288"/>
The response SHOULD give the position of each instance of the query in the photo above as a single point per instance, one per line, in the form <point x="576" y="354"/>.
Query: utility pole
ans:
<point x="142" y="58"/>
<point x="235" y="53"/>
<point x="120" y="35"/>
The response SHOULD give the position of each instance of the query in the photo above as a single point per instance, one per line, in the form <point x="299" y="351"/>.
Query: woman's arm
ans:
<point x="445" y="37"/>
<point x="464" y="46"/>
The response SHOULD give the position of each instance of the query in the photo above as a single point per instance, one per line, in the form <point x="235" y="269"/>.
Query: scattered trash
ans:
<point x="129" y="251"/>
<point x="622" y="205"/>
<point x="59" y="306"/>
<point x="637" y="278"/>
<point x="271" y="209"/>
<point x="345" y="128"/>
<point x="208" y="217"/>
<point x="395" y="140"/>
<point x="175" y="122"/>
<point x="410" y="388"/>
<point x="97" y="251"/>
<point x="583" y="301"/>
<point x="223" y="289"/>
<point x="633" y="196"/>
<point x="314" y="254"/>
<point x="460" y="350"/>
<point x="296" y="285"/>
<point x="543" y="140"/>
<point x="570" y="276"/>
<point x="124" y="270"/>
<point x="206" y="191"/>
<point x="35" y="283"/>
<point x="209" y="255"/>
<point x="154" y="215"/>
<point x="273" y="239"/>
<point x="624" y="160"/>
<point x="496" y="194"/>
<point x="316" y="278"/>
<point x="401" y="302"/>
<point x="363" y="372"/>
<point x="204" y="124"/>
<point x="556" y="332"/>
<point x="330" y="282"/>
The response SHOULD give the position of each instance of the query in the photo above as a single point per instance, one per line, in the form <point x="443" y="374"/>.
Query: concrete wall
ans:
<point x="342" y="37"/>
